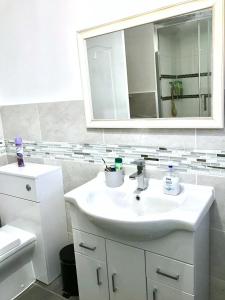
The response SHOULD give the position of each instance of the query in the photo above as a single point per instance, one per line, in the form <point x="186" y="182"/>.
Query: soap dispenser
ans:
<point x="171" y="182"/>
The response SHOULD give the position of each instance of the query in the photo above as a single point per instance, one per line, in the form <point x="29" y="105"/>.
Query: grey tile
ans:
<point x="184" y="177"/>
<point x="70" y="236"/>
<point x="217" y="213"/>
<point x="159" y="174"/>
<point x="35" y="292"/>
<point x="35" y="160"/>
<point x="68" y="219"/>
<point x="75" y="173"/>
<point x="210" y="139"/>
<point x="217" y="253"/>
<point x="12" y="159"/>
<point x="1" y="127"/>
<point x="3" y="160"/>
<point x="55" y="286"/>
<point x="65" y="122"/>
<point x="217" y="289"/>
<point x="21" y="120"/>
<point x="173" y="138"/>
<point x="187" y="178"/>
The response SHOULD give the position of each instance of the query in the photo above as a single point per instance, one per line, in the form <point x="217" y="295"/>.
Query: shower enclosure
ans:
<point x="184" y="65"/>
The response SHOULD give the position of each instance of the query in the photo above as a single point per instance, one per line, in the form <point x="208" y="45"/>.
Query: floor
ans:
<point x="40" y="291"/>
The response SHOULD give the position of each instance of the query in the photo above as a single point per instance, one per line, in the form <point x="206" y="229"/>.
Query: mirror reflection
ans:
<point x="155" y="70"/>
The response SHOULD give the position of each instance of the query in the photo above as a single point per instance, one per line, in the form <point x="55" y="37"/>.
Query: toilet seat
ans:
<point x="13" y="239"/>
<point x="7" y="242"/>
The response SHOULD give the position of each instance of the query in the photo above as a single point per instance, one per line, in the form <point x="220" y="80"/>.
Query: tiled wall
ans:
<point x="64" y="122"/>
<point x="3" y="156"/>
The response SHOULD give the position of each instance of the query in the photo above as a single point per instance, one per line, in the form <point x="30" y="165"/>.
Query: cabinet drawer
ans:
<point x="170" y="272"/>
<point x="17" y="186"/>
<point x="89" y="245"/>
<point x="159" y="291"/>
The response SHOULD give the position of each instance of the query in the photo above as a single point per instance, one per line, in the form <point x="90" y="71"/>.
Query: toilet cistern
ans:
<point x="140" y="175"/>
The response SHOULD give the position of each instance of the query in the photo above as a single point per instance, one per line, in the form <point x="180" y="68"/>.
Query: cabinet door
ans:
<point x="126" y="271"/>
<point x="158" y="291"/>
<point x="92" y="278"/>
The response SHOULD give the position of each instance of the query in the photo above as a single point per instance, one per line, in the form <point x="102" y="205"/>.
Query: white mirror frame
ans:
<point x="217" y="118"/>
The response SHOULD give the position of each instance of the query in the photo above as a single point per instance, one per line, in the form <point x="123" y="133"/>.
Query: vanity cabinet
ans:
<point x="110" y="270"/>
<point x="116" y="268"/>
<point x="130" y="266"/>
<point x="125" y="266"/>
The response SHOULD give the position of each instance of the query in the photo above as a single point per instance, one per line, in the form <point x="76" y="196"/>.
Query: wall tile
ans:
<point x="217" y="289"/>
<point x="65" y="122"/>
<point x="173" y="138"/>
<point x="159" y="174"/>
<point x="217" y="253"/>
<point x="75" y="173"/>
<point x="1" y="127"/>
<point x="218" y="209"/>
<point x="21" y="120"/>
<point x="68" y="218"/>
<point x="3" y="160"/>
<point x="12" y="159"/>
<point x="211" y="139"/>
<point x="70" y="237"/>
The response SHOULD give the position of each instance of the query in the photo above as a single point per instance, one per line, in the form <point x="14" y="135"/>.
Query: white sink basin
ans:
<point x="152" y="216"/>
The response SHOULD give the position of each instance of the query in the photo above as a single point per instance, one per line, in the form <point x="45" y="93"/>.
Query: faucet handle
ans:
<point x="139" y="162"/>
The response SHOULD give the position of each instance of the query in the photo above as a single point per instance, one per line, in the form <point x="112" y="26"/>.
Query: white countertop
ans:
<point x="30" y="170"/>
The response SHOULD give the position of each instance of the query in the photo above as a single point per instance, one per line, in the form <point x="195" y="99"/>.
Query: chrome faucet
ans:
<point x="140" y="175"/>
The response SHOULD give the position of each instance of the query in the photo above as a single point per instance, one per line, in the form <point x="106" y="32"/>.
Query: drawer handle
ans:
<point x="28" y="187"/>
<point x="99" y="282"/>
<point x="114" y="288"/>
<point x="174" y="277"/>
<point x="82" y="245"/>
<point x="154" y="293"/>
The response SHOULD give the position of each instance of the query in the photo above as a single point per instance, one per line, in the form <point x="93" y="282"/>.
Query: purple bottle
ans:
<point x="19" y="151"/>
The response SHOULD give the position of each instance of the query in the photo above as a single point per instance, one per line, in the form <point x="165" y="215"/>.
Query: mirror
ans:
<point x="185" y="65"/>
<point x="161" y="70"/>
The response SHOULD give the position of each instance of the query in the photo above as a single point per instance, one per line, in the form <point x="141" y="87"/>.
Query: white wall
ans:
<point x="90" y="13"/>
<point x="38" y="53"/>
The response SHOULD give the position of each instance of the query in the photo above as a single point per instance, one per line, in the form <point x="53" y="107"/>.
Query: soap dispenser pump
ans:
<point x="171" y="182"/>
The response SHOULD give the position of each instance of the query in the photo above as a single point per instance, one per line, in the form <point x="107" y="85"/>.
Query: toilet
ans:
<point x="16" y="267"/>
<point x="32" y="212"/>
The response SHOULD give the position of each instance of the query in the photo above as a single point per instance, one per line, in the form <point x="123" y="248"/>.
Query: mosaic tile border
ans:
<point x="191" y="161"/>
<point x="2" y="147"/>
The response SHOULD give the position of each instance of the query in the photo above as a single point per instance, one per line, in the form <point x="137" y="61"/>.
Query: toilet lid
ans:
<point x="7" y="242"/>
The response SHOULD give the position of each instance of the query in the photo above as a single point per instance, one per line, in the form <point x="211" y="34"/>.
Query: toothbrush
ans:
<point x="106" y="167"/>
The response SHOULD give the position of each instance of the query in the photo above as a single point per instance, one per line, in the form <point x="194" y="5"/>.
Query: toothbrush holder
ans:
<point x="114" y="179"/>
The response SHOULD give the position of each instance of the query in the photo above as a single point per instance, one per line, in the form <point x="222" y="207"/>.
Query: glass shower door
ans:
<point x="184" y="55"/>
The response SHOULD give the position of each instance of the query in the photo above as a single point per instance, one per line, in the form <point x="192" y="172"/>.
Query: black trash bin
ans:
<point x="68" y="270"/>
